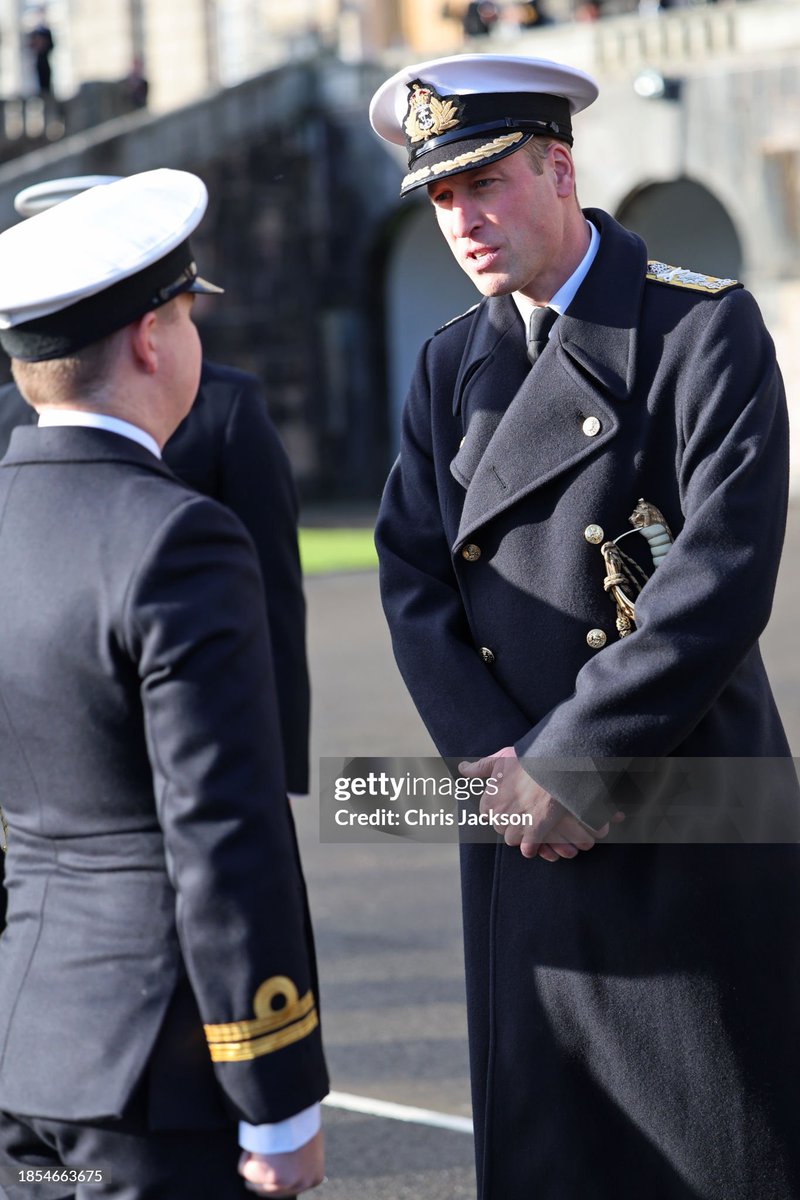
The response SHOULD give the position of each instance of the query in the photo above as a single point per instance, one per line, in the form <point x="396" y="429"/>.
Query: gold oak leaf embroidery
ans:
<point x="428" y="114"/>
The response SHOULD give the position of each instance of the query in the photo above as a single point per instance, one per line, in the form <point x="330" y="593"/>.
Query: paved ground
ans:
<point x="388" y="928"/>
<point x="387" y="917"/>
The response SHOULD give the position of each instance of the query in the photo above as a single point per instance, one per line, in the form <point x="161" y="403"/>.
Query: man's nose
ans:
<point x="465" y="218"/>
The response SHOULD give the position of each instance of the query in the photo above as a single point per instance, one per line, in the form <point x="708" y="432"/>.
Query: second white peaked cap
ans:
<point x="469" y="110"/>
<point x="94" y="240"/>
<point x="41" y="196"/>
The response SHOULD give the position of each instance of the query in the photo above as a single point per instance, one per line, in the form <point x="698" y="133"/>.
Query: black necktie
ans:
<point x="539" y="326"/>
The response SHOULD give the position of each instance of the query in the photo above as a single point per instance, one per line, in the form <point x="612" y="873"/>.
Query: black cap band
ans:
<point x="491" y="112"/>
<point x="62" y="333"/>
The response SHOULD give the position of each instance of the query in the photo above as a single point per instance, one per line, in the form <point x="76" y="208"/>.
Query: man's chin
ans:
<point x="493" y="285"/>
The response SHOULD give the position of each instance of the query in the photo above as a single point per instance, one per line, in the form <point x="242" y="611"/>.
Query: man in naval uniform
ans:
<point x="632" y="1009"/>
<point x="156" y="977"/>
<point x="227" y="448"/>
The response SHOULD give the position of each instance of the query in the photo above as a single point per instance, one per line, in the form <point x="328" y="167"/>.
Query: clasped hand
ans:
<point x="285" y="1174"/>
<point x="552" y="832"/>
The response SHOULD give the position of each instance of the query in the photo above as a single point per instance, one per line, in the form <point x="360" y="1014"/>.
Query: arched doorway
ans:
<point x="685" y="225"/>
<point x="424" y="288"/>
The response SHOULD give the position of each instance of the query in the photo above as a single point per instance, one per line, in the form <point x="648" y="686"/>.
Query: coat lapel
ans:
<point x="493" y="366"/>
<point x="586" y="372"/>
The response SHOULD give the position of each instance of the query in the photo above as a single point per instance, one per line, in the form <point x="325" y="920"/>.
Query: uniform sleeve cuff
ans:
<point x="583" y="786"/>
<point x="282" y="1136"/>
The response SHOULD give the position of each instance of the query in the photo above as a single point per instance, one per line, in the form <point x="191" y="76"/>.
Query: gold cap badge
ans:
<point x="429" y="114"/>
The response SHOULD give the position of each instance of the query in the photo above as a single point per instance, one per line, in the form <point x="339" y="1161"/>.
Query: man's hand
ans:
<point x="552" y="832"/>
<point x="284" y="1174"/>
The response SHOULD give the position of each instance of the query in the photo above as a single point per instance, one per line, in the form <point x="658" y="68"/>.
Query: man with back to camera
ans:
<point x="155" y="973"/>
<point x="227" y="448"/>
<point x="629" y="1034"/>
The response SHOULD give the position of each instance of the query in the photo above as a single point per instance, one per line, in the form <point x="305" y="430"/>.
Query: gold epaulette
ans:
<point x="272" y="1028"/>
<point x="680" y="277"/>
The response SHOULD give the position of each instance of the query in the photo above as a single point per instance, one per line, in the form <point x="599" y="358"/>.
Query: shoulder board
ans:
<point x="453" y="320"/>
<point x="660" y="272"/>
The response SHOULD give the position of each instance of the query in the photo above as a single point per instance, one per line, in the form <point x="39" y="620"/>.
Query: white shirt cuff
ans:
<point x="282" y="1136"/>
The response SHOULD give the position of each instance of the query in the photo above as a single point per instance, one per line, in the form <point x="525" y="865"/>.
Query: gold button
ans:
<point x="596" y="638"/>
<point x="594" y="534"/>
<point x="591" y="426"/>
<point x="471" y="552"/>
<point x="486" y="655"/>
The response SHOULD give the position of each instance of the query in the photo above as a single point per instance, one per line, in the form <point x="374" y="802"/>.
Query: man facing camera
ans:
<point x="155" y="974"/>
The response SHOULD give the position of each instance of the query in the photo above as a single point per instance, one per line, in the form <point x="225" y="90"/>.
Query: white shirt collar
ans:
<point x="91" y="420"/>
<point x="561" y="301"/>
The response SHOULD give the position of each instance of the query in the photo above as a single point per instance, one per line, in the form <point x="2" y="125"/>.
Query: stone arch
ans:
<point x="423" y="288"/>
<point x="684" y="224"/>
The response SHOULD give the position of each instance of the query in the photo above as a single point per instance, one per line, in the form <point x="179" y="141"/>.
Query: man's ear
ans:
<point x="564" y="169"/>
<point x="144" y="342"/>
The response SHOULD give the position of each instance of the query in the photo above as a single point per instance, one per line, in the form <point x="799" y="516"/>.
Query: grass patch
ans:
<point x="326" y="550"/>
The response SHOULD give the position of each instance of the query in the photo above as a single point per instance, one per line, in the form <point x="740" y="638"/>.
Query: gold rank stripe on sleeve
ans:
<point x="270" y="1030"/>
<point x="680" y="277"/>
<point x="256" y="1047"/>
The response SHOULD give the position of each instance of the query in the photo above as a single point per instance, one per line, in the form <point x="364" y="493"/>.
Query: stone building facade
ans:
<point x="333" y="282"/>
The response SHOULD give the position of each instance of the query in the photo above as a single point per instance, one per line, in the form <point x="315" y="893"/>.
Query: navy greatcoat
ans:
<point x="153" y="885"/>
<point x="632" y="1013"/>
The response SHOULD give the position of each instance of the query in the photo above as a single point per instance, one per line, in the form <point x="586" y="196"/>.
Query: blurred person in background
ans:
<point x="479" y="18"/>
<point x="41" y="46"/>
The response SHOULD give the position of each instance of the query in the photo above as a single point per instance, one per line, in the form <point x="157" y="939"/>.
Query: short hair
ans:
<point x="537" y="149"/>
<point x="80" y="376"/>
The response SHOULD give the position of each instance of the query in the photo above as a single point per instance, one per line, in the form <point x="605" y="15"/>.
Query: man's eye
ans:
<point x="440" y="197"/>
<point x="484" y="183"/>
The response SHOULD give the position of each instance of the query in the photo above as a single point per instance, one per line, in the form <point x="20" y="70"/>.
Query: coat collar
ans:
<point x="74" y="444"/>
<point x="599" y="330"/>
<point x="523" y="427"/>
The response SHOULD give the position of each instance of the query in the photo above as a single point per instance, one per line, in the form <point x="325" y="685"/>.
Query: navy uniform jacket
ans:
<point x="617" y="1033"/>
<point x="156" y="924"/>
<point x="227" y="448"/>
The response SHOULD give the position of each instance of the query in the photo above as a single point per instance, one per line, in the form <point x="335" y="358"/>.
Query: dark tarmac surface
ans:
<point x="387" y="917"/>
<point x="388" y="927"/>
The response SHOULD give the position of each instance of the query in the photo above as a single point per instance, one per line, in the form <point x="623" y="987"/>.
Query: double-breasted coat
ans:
<point x="633" y="1012"/>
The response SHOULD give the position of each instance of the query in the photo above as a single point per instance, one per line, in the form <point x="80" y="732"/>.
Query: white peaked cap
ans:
<point x="94" y="240"/>
<point x="472" y="109"/>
